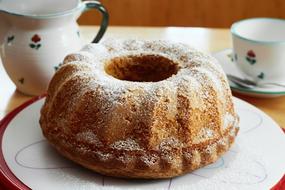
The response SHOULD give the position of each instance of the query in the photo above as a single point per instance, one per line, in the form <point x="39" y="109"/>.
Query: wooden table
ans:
<point x="208" y="40"/>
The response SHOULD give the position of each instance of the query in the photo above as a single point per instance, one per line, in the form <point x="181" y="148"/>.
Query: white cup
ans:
<point x="259" y="48"/>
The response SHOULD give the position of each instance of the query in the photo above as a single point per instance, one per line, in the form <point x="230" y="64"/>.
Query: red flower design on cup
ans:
<point x="250" y="53"/>
<point x="36" y="38"/>
<point x="251" y="57"/>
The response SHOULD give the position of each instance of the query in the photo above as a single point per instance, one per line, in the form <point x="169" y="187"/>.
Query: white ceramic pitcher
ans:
<point x="36" y="35"/>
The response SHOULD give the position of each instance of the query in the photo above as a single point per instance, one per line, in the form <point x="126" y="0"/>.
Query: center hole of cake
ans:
<point x="143" y="68"/>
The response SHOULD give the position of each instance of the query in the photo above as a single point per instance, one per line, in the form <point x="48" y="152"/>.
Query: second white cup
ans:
<point x="259" y="48"/>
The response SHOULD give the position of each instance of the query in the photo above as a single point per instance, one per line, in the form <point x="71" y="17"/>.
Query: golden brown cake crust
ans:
<point x="140" y="109"/>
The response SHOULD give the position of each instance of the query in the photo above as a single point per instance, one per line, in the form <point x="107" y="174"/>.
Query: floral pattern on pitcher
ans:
<point x="251" y="57"/>
<point x="35" y="42"/>
<point x="21" y="80"/>
<point x="58" y="66"/>
<point x="10" y="39"/>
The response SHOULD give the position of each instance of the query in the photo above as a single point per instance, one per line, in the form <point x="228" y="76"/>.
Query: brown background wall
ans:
<point x="207" y="13"/>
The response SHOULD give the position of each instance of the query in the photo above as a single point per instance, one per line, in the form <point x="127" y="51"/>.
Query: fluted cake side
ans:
<point x="140" y="109"/>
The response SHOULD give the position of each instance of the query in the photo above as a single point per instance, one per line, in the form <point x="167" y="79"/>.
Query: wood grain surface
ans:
<point x="202" y="13"/>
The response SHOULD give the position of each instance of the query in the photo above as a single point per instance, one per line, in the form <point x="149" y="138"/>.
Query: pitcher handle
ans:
<point x="105" y="17"/>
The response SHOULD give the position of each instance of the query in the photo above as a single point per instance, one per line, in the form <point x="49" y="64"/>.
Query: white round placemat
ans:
<point x="256" y="160"/>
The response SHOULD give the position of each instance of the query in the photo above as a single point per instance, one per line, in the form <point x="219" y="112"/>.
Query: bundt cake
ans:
<point x="140" y="109"/>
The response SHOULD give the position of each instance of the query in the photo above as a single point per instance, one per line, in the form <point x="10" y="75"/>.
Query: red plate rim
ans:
<point x="8" y="179"/>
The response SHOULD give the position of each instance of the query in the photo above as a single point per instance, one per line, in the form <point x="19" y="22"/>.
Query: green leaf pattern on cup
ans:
<point x="261" y="75"/>
<point x="251" y="57"/>
<point x="233" y="57"/>
<point x="230" y="56"/>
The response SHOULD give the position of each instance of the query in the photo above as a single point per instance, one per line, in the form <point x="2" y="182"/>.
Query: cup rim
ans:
<point x="235" y="25"/>
<point x="79" y="6"/>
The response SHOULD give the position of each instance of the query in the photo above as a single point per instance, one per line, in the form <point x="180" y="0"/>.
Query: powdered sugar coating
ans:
<point x="128" y="144"/>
